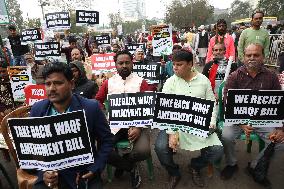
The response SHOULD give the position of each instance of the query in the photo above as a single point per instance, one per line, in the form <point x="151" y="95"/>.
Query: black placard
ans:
<point x="102" y="39"/>
<point x="184" y="113"/>
<point x="31" y="35"/>
<point x="58" y="20"/>
<point x="87" y="17"/>
<point x="47" y="49"/>
<point x="132" y="47"/>
<point x="131" y="109"/>
<point x="52" y="142"/>
<point x="150" y="71"/>
<point x="257" y="108"/>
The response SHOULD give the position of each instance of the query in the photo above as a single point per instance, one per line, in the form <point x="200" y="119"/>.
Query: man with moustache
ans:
<point x="254" y="34"/>
<point x="252" y="75"/>
<point x="59" y="83"/>
<point x="221" y="37"/>
<point x="127" y="82"/>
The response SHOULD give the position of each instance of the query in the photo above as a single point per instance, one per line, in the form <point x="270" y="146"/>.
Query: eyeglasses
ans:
<point x="220" y="50"/>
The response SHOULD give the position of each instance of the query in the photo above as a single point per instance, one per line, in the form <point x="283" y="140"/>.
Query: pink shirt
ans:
<point x="229" y="44"/>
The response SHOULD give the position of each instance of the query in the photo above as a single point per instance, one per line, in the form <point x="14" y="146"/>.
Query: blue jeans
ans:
<point x="19" y="61"/>
<point x="165" y="155"/>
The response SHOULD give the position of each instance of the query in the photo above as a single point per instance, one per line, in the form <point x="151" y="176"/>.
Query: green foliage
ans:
<point x="15" y="14"/>
<point x="240" y="9"/>
<point x="115" y="20"/>
<point x="272" y="8"/>
<point x="184" y="13"/>
<point x="32" y="23"/>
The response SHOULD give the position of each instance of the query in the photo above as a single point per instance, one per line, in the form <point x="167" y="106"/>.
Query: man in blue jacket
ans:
<point x="59" y="83"/>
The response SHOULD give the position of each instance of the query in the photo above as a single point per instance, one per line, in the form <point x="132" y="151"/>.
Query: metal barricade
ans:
<point x="274" y="50"/>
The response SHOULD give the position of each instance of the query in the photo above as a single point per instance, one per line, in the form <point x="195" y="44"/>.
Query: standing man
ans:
<point x="254" y="34"/>
<point x="224" y="38"/>
<point x="59" y="83"/>
<point x="201" y="44"/>
<point x="18" y="50"/>
<point x="127" y="82"/>
<point x="252" y="75"/>
<point x="36" y="69"/>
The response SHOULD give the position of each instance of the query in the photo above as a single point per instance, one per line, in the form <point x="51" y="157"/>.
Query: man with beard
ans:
<point x="216" y="70"/>
<point x="83" y="86"/>
<point x="58" y="84"/>
<point x="36" y="69"/>
<point x="254" y="34"/>
<point x="252" y="75"/>
<point x="127" y="82"/>
<point x="224" y="38"/>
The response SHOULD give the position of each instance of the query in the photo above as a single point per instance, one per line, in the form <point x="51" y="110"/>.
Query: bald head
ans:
<point x="76" y="55"/>
<point x="254" y="57"/>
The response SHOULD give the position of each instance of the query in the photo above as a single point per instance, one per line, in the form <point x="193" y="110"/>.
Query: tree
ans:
<point x="184" y="13"/>
<point x="240" y="9"/>
<point x="66" y="5"/>
<point x="32" y="23"/>
<point x="15" y="14"/>
<point x="272" y="8"/>
<point x="115" y="20"/>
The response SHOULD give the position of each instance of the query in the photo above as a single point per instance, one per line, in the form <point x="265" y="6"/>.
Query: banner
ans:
<point x="184" y="113"/>
<point x="162" y="40"/>
<point x="256" y="108"/>
<point x="84" y="17"/>
<point x="131" y="109"/>
<point x="47" y="49"/>
<point x="34" y="93"/>
<point x="58" y="20"/>
<point x="150" y="71"/>
<point x="102" y="39"/>
<point x="102" y="63"/>
<point x="30" y="35"/>
<point x="4" y="18"/>
<point x="52" y="142"/>
<point x="132" y="47"/>
<point x="20" y="76"/>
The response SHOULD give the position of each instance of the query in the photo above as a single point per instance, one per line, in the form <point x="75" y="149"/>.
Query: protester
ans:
<point x="187" y="81"/>
<point x="221" y="37"/>
<point x="217" y="70"/>
<point x="201" y="45"/>
<point x="18" y="50"/>
<point x="115" y="48"/>
<point x="58" y="82"/>
<point x="83" y="86"/>
<point x="76" y="55"/>
<point x="252" y="75"/>
<point x="254" y="34"/>
<point x="127" y="82"/>
<point x="36" y="69"/>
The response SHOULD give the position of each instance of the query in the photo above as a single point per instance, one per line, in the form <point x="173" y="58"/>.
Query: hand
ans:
<point x="50" y="178"/>
<point x="88" y="175"/>
<point x="277" y="136"/>
<point x="133" y="133"/>
<point x="247" y="129"/>
<point x="173" y="142"/>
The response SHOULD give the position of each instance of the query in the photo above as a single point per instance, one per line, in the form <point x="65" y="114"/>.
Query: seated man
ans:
<point x="217" y="70"/>
<point x="127" y="82"/>
<point x="83" y="86"/>
<point x="36" y="69"/>
<point x="252" y="75"/>
<point x="58" y="81"/>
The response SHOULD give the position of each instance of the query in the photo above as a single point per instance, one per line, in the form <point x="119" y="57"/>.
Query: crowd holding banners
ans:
<point x="256" y="108"/>
<point x="84" y="17"/>
<point x="58" y="20"/>
<point x="162" y="40"/>
<point x="68" y="141"/>
<point x="20" y="77"/>
<point x="132" y="47"/>
<point x="131" y="109"/>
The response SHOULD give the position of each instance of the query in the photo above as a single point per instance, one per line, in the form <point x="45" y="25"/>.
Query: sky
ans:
<point x="107" y="6"/>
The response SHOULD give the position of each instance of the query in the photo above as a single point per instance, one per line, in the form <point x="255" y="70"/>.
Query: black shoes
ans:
<point x="229" y="171"/>
<point x="264" y="182"/>
<point x="135" y="177"/>
<point x="196" y="177"/>
<point x="173" y="181"/>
